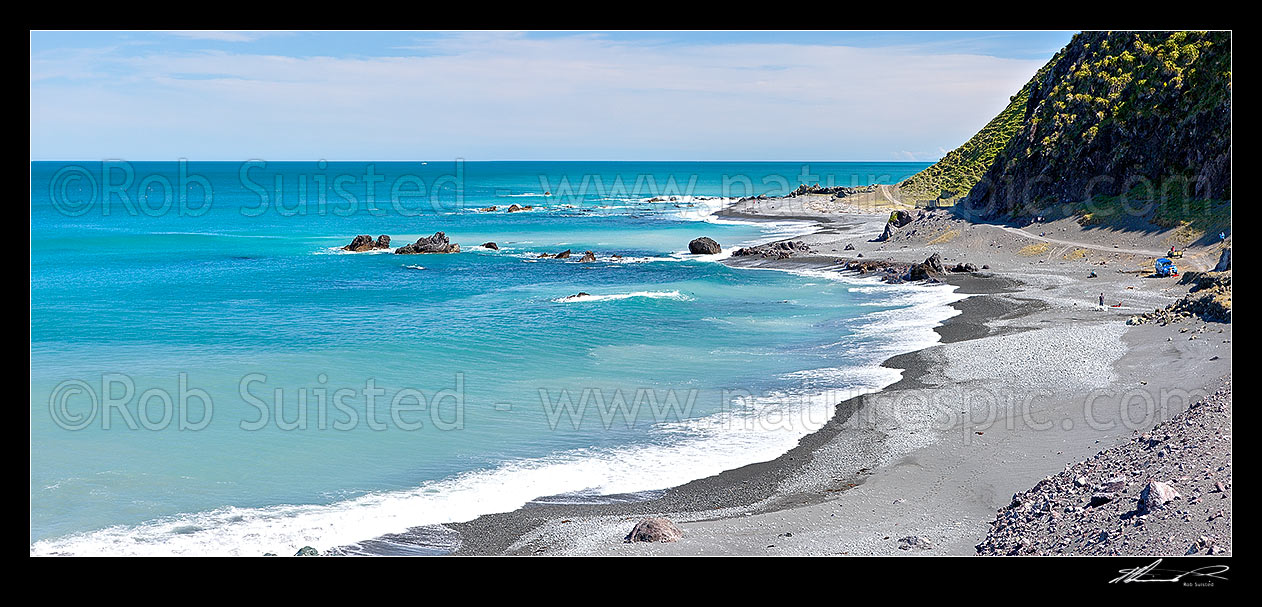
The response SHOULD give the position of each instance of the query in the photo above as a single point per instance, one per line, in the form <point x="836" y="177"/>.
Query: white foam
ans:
<point x="616" y="296"/>
<point x="750" y="431"/>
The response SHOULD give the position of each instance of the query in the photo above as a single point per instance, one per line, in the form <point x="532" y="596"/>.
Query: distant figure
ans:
<point x="1222" y="236"/>
<point x="1102" y="300"/>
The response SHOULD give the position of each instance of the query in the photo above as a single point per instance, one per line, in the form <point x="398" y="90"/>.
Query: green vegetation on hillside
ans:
<point x="1124" y="116"/>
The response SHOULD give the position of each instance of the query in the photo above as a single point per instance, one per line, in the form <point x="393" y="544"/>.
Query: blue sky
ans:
<point x="501" y="95"/>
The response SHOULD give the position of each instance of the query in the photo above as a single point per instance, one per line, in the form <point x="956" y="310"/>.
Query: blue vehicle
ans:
<point x="1165" y="267"/>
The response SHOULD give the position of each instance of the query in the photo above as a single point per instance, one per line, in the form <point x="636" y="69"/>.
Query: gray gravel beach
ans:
<point x="1031" y="377"/>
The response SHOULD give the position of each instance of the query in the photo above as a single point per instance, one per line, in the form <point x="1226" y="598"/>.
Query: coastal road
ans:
<point x="1194" y="261"/>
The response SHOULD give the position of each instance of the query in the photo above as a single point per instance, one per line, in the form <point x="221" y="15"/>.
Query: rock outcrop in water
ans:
<point x="438" y="243"/>
<point x="491" y="245"/>
<point x="587" y="257"/>
<point x="704" y="246"/>
<point x="364" y="242"/>
<point x="655" y="529"/>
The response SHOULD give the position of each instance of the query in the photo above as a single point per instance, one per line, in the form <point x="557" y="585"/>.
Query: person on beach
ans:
<point x="1102" y="300"/>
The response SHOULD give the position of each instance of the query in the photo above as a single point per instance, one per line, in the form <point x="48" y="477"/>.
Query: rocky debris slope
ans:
<point x="438" y="243"/>
<point x="1209" y="299"/>
<point x="1164" y="492"/>
<point x="364" y="242"/>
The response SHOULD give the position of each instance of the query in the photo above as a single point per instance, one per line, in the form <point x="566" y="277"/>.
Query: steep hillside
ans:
<point x="1122" y="118"/>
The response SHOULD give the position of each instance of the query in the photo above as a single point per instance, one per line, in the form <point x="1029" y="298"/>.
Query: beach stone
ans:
<point x="438" y="243"/>
<point x="490" y="245"/>
<point x="1114" y="485"/>
<point x="1156" y="495"/>
<point x="889" y="232"/>
<point x="588" y="256"/>
<point x="1098" y="499"/>
<point x="704" y="246"/>
<point x="919" y="542"/>
<point x="849" y="247"/>
<point x="654" y="529"/>
<point x="307" y="551"/>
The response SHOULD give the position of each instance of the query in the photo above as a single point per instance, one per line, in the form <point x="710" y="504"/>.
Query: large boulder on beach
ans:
<point x="931" y="268"/>
<point x="438" y="243"/>
<point x="704" y="246"/>
<point x="900" y="218"/>
<point x="888" y="233"/>
<point x="307" y="551"/>
<point x="654" y="529"/>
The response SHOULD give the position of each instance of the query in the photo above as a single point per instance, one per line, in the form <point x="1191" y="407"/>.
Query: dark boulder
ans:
<point x="563" y="254"/>
<point x="965" y="267"/>
<point x="774" y="250"/>
<point x="307" y="551"/>
<point x="513" y="208"/>
<point x="704" y="246"/>
<point x="364" y="242"/>
<point x="491" y="245"/>
<point x="654" y="529"/>
<point x="588" y="256"/>
<point x="931" y="268"/>
<point x="849" y="247"/>
<point x="438" y="243"/>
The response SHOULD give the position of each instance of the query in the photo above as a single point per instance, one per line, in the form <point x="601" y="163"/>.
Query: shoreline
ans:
<point x="734" y="512"/>
<point x="749" y="486"/>
<point x="744" y="487"/>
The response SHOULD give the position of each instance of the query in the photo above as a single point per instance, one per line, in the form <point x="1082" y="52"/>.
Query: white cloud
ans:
<point x="503" y="95"/>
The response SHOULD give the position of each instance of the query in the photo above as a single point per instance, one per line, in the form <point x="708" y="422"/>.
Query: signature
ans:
<point x="1150" y="573"/>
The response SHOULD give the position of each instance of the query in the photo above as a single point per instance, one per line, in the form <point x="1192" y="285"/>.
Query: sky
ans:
<point x="500" y="95"/>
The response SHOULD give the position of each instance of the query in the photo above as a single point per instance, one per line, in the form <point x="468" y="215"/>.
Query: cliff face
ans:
<point x="1146" y="115"/>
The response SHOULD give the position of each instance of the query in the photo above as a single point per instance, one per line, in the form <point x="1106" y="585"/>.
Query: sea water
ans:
<point x="212" y="374"/>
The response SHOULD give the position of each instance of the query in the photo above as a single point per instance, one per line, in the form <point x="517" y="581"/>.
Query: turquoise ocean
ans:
<point x="212" y="375"/>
